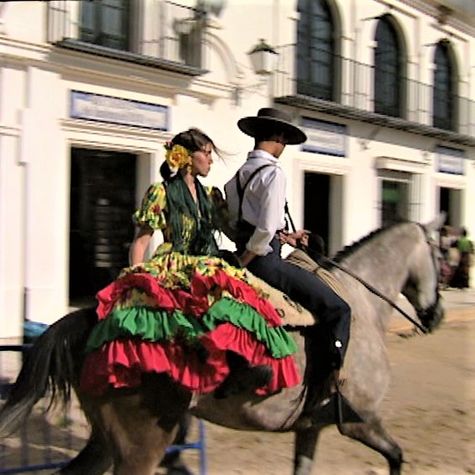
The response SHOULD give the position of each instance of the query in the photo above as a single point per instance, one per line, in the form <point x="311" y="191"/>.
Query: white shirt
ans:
<point x="263" y="202"/>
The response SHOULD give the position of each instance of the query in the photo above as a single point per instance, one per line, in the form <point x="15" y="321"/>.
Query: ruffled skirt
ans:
<point x="179" y="315"/>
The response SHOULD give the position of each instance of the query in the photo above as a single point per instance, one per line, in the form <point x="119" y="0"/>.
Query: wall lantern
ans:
<point x="263" y="58"/>
<point x="184" y="26"/>
<point x="214" y="7"/>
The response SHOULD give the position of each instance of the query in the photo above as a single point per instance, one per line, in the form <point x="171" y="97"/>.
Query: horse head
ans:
<point x="422" y="285"/>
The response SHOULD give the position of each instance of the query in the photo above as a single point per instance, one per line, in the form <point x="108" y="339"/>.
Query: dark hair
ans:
<point x="268" y="132"/>
<point x="165" y="171"/>
<point x="193" y="140"/>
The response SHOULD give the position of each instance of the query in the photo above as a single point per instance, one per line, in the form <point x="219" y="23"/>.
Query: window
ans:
<point x="387" y="70"/>
<point x="394" y="196"/>
<point x="316" y="59"/>
<point x="105" y="23"/>
<point x="443" y="95"/>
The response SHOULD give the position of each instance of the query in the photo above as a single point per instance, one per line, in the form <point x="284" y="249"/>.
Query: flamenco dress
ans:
<point x="179" y="314"/>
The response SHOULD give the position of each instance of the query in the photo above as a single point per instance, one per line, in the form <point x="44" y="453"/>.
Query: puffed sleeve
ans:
<point x="152" y="210"/>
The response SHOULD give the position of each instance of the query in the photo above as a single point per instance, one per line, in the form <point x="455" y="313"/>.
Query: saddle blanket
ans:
<point x="292" y="313"/>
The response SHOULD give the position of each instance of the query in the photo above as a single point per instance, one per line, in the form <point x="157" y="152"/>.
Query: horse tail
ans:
<point x="53" y="364"/>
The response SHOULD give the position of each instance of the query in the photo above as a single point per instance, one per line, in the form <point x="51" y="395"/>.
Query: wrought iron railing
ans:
<point x="157" y="29"/>
<point x="352" y="85"/>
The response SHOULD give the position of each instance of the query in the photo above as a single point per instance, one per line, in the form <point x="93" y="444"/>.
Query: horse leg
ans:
<point x="138" y="435"/>
<point x="373" y="435"/>
<point x="304" y="449"/>
<point x="173" y="461"/>
<point x="94" y="459"/>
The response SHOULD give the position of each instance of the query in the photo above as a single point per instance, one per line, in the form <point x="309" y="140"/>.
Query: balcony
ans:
<point x="347" y="88"/>
<point x="157" y="33"/>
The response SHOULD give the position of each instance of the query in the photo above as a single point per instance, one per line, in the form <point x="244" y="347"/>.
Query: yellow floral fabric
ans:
<point x="153" y="211"/>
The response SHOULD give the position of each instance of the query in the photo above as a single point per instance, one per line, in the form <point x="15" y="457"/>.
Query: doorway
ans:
<point x="102" y="202"/>
<point x="317" y="205"/>
<point x="395" y="191"/>
<point x="450" y="201"/>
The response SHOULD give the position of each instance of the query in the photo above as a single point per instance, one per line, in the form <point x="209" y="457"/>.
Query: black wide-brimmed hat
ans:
<point x="269" y="118"/>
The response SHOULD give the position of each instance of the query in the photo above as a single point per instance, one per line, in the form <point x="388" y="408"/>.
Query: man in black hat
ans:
<point x="256" y="198"/>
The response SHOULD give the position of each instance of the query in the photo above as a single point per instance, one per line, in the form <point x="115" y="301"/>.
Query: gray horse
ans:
<point x="132" y="428"/>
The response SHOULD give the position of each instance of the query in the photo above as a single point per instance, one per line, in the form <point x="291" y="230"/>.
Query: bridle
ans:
<point x="421" y="313"/>
<point x="376" y="292"/>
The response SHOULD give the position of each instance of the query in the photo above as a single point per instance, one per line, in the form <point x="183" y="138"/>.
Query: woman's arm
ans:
<point x="139" y="246"/>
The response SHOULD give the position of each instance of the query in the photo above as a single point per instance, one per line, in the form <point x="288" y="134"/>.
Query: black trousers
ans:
<point x="312" y="293"/>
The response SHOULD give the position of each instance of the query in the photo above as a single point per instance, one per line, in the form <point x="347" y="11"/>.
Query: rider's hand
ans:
<point x="294" y="239"/>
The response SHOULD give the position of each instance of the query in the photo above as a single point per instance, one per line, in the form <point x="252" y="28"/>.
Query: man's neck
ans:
<point x="269" y="146"/>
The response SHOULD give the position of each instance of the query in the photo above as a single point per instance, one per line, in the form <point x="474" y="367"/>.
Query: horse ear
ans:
<point x="436" y="223"/>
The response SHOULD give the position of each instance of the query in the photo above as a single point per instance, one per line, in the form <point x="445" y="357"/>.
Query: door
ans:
<point x="450" y="201"/>
<point x="317" y="205"/>
<point x="101" y="228"/>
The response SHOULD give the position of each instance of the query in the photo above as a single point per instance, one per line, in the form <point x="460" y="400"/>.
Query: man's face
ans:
<point x="281" y="141"/>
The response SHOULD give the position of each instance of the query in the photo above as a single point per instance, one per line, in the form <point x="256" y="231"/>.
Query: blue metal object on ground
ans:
<point x="32" y="330"/>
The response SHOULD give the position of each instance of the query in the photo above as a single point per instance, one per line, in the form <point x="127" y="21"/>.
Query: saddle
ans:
<point x="292" y="313"/>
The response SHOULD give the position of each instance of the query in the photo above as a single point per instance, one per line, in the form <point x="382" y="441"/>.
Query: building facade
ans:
<point x="90" y="90"/>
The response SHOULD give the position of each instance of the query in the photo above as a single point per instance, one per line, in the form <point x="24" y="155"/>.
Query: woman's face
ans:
<point x="201" y="161"/>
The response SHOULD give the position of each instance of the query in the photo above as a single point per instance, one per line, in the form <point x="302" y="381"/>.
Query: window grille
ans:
<point x="316" y="59"/>
<point x="443" y="93"/>
<point x="387" y="70"/>
<point x="105" y="23"/>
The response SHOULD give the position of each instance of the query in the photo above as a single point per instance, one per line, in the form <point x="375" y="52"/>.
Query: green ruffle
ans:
<point x="147" y="323"/>
<point x="155" y="325"/>
<point x="277" y="340"/>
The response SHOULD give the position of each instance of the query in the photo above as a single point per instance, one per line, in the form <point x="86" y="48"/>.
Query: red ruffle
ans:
<point x="164" y="298"/>
<point x="192" y="302"/>
<point x="239" y="290"/>
<point x="121" y="363"/>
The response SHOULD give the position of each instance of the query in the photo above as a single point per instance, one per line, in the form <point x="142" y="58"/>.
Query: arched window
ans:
<point x="316" y="59"/>
<point x="105" y="23"/>
<point x="444" y="88"/>
<point x="387" y="70"/>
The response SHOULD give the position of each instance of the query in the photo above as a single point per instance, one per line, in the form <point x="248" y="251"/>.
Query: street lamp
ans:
<point x="263" y="58"/>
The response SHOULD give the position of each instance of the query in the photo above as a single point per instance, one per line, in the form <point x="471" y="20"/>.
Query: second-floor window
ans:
<point x="388" y="78"/>
<point x="444" y="88"/>
<point x="316" y="50"/>
<point x="105" y="23"/>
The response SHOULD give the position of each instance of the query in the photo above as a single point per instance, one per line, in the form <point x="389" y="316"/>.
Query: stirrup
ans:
<point x="336" y="410"/>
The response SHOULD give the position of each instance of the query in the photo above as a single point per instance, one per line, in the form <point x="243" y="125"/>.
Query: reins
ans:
<point x="375" y="292"/>
<point x="363" y="282"/>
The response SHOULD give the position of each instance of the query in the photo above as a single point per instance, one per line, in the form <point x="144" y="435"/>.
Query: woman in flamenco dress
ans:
<point x="186" y="311"/>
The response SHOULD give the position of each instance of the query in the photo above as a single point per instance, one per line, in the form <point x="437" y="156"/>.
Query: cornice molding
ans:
<point x="319" y="105"/>
<point x="431" y="10"/>
<point x="79" y="65"/>
<point x="98" y="134"/>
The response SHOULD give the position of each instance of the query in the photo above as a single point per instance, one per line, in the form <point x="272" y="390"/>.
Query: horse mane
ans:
<point x="351" y="248"/>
